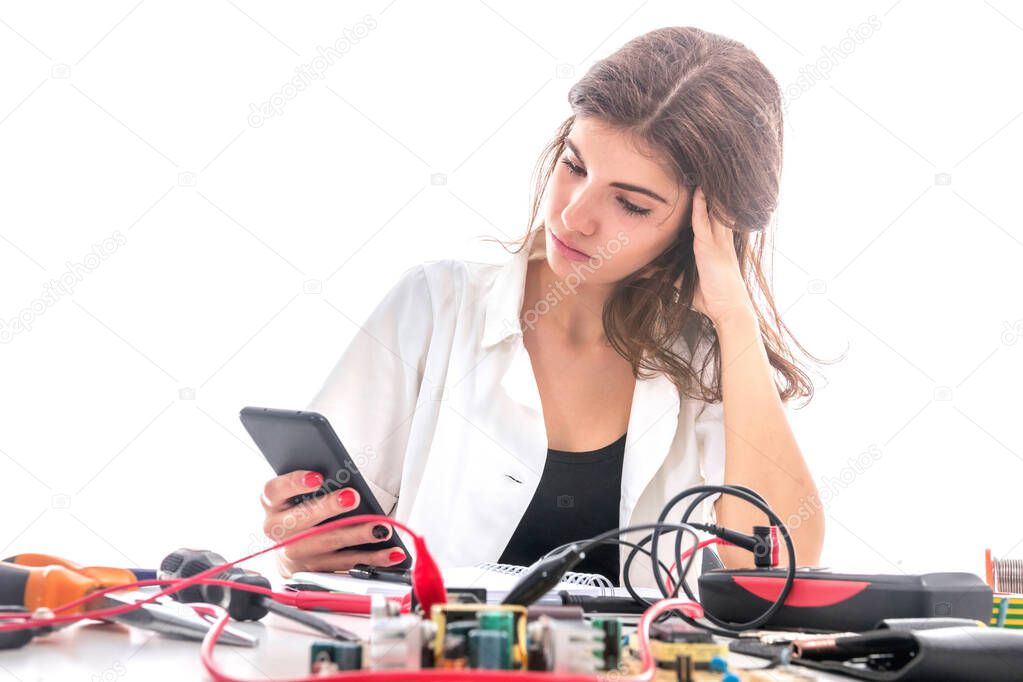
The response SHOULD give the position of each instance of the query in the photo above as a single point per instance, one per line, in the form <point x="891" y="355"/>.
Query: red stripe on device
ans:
<point x="804" y="592"/>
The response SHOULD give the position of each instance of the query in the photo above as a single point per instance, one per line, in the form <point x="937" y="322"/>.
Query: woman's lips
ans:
<point x="568" y="251"/>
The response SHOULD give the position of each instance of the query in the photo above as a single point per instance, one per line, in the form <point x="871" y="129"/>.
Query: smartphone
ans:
<point x="299" y="440"/>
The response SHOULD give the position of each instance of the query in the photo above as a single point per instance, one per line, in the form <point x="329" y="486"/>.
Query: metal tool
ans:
<point x="38" y="583"/>
<point x="241" y="604"/>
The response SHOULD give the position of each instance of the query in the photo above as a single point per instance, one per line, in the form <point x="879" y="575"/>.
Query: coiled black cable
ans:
<point x="726" y="628"/>
<point x="701" y="493"/>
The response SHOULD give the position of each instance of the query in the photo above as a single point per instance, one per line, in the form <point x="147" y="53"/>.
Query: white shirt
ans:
<point x="436" y="401"/>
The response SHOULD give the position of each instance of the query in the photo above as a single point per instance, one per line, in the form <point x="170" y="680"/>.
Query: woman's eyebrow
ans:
<point x="620" y="185"/>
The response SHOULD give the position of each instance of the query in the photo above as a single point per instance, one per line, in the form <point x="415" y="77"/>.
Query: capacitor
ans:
<point x="500" y="621"/>
<point x="489" y="649"/>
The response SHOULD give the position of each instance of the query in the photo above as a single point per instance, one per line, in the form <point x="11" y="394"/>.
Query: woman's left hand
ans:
<point x="720" y="292"/>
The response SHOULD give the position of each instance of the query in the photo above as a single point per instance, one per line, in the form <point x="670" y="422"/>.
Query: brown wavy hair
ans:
<point x="712" y="113"/>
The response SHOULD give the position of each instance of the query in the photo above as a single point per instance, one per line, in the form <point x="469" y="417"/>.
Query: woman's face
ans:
<point x="610" y="202"/>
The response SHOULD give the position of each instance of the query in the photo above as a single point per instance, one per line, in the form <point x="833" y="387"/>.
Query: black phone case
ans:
<point x="296" y="440"/>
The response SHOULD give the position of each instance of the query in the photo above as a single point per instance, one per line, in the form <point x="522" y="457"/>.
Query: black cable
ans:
<point x="636" y="548"/>
<point x="614" y="541"/>
<point x="659" y="528"/>
<point x="692" y="506"/>
<point x="533" y="583"/>
<point x="758" y="502"/>
<point x="547" y="571"/>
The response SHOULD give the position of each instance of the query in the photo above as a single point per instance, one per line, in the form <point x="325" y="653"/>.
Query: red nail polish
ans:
<point x="312" y="480"/>
<point x="396" y="555"/>
<point x="346" y="497"/>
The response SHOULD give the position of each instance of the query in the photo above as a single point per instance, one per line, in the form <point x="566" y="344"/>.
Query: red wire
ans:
<point x="685" y="555"/>
<point x="426" y="582"/>
<point x="691" y="609"/>
<point x="323" y="601"/>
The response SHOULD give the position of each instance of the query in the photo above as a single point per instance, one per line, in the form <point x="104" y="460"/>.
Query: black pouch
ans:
<point x="947" y="654"/>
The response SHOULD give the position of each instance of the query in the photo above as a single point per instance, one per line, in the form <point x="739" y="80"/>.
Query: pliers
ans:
<point x="38" y="581"/>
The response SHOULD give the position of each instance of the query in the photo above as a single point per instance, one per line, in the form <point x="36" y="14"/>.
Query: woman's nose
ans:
<point x="578" y="215"/>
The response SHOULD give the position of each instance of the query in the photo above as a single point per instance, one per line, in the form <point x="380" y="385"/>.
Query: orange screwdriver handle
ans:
<point x="48" y="586"/>
<point x="105" y="576"/>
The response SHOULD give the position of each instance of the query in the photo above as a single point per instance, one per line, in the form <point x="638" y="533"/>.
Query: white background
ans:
<point x="251" y="253"/>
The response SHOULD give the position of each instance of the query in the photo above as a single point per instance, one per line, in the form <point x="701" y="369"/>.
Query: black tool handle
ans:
<point x="13" y="583"/>
<point x="240" y="604"/>
<point x="17" y="638"/>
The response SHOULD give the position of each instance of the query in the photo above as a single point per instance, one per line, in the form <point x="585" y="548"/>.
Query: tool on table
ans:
<point x="38" y="583"/>
<point x="113" y="575"/>
<point x="821" y="600"/>
<point x="240" y="604"/>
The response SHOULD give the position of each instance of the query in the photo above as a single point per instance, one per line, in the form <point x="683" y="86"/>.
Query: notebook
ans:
<point x="497" y="579"/>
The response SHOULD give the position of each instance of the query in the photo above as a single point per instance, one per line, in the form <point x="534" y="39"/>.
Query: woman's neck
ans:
<point x="574" y="314"/>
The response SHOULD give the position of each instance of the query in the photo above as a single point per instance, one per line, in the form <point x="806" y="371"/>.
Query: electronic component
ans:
<point x="1005" y="576"/>
<point x="446" y="635"/>
<point x="330" y="657"/>
<point x="674" y="641"/>
<point x="489" y="649"/>
<point x="569" y="646"/>
<point x="612" y="629"/>
<point x="464" y="619"/>
<point x="395" y="639"/>
<point x="456" y="652"/>
<point x="556" y="612"/>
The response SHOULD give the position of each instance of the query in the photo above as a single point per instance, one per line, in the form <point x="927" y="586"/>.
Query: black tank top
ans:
<point x="577" y="497"/>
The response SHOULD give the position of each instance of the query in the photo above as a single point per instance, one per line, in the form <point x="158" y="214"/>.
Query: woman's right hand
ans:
<point x="324" y="552"/>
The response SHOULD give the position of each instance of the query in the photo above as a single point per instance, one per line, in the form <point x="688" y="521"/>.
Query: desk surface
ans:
<point x="108" y="652"/>
<point x="102" y="652"/>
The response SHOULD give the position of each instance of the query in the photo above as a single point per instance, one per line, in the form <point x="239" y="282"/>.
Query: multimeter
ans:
<point x="842" y="602"/>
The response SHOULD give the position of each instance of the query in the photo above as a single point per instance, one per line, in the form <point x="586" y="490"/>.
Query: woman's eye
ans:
<point x="572" y="168"/>
<point x="632" y="208"/>
<point x="629" y="207"/>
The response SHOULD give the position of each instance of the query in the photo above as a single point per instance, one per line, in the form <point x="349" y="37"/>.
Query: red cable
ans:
<point x="427" y="584"/>
<point x="340" y="603"/>
<point x="691" y="609"/>
<point x="685" y="555"/>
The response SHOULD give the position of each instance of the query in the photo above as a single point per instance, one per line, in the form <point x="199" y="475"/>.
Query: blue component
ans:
<point x="718" y="664"/>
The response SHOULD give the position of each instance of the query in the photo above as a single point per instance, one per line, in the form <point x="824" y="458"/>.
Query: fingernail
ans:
<point x="312" y="480"/>
<point x="346" y="498"/>
<point x="380" y="531"/>
<point x="396" y="555"/>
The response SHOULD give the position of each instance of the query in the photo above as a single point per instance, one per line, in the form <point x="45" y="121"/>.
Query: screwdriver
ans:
<point x="240" y="604"/>
<point x="105" y="574"/>
<point x="53" y="582"/>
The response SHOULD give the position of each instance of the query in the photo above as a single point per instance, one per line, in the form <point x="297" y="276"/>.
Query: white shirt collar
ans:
<point x="504" y="303"/>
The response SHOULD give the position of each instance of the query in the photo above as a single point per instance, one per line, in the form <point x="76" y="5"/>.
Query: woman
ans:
<point x="619" y="357"/>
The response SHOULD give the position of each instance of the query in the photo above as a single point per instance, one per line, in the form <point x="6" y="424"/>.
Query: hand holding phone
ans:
<point x="295" y="502"/>
<point x="317" y="482"/>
